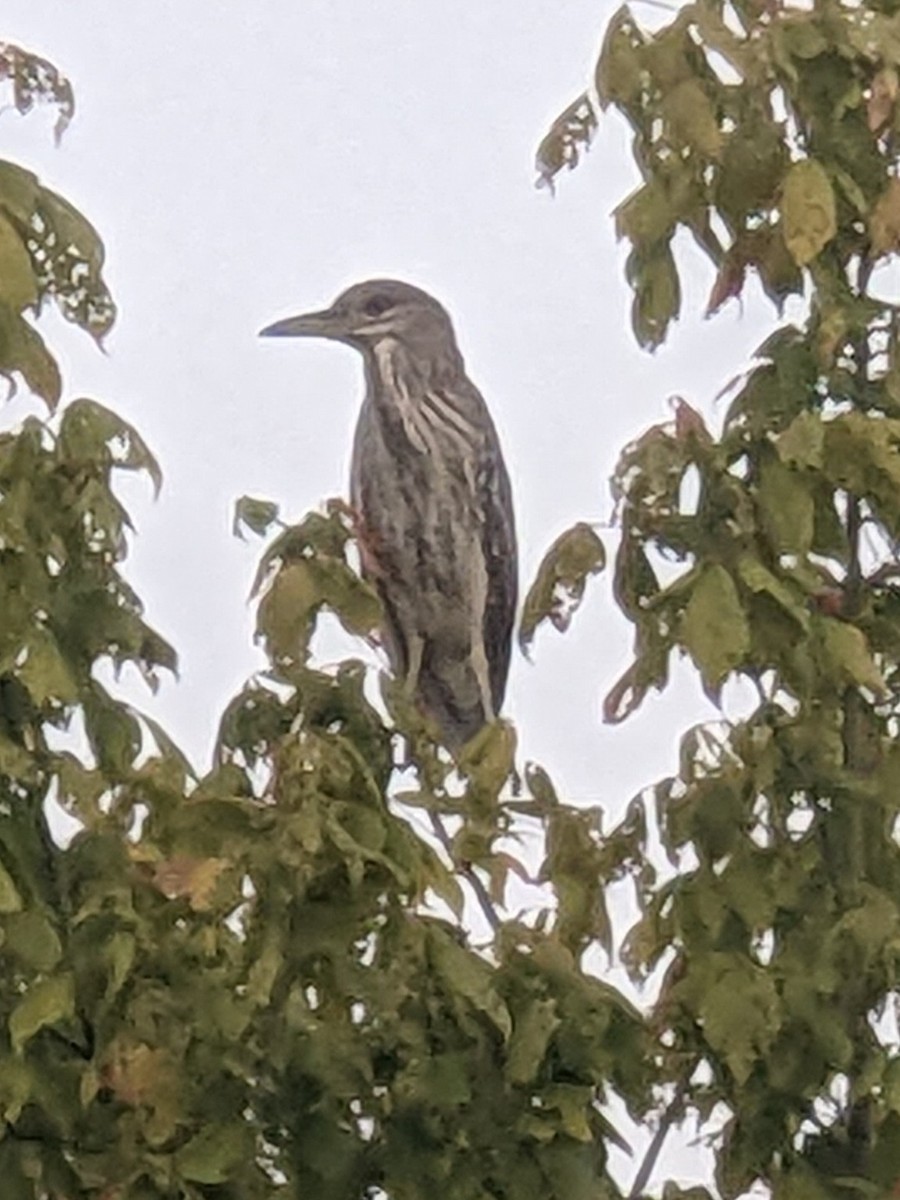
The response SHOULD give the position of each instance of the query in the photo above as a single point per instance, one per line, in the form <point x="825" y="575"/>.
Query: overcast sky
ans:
<point x="246" y="161"/>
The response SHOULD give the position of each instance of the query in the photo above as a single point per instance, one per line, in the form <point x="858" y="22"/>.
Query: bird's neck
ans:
<point x="399" y="371"/>
<point x="420" y="393"/>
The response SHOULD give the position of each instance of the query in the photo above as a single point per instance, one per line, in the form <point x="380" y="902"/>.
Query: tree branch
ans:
<point x="468" y="873"/>
<point x="666" y="1121"/>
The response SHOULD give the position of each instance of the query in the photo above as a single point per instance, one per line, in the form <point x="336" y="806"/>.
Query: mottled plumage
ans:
<point x="430" y="487"/>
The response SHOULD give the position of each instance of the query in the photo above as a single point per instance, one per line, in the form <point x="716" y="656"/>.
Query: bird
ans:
<point x="433" y="503"/>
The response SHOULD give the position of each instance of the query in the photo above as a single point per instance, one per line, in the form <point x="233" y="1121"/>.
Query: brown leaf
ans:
<point x="688" y="422"/>
<point x="570" y="135"/>
<point x="880" y="105"/>
<point x="136" y="1073"/>
<point x="884" y="222"/>
<point x="729" y="281"/>
<point x="34" y="79"/>
<point x="194" y="879"/>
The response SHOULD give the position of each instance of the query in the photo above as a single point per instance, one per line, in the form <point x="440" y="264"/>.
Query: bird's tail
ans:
<point x="452" y="694"/>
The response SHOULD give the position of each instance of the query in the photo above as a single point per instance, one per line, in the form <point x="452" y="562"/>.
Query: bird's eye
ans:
<point x="377" y="305"/>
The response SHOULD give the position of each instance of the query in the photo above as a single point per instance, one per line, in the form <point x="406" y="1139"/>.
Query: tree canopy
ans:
<point x="769" y="134"/>
<point x="302" y="972"/>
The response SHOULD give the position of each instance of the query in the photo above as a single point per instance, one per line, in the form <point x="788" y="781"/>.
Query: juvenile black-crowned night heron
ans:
<point x="432" y="495"/>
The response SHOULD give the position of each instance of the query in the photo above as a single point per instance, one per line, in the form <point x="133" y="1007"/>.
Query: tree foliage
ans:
<point x="769" y="134"/>
<point x="257" y="982"/>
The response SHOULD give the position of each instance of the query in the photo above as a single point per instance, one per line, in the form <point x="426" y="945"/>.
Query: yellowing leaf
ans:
<point x="286" y="612"/>
<point x="714" y="626"/>
<point x="803" y="442"/>
<point x="488" y="759"/>
<point x="573" y="1103"/>
<point x="787" y="507"/>
<point x="691" y="118"/>
<point x="45" y="1003"/>
<point x="808" y="212"/>
<point x="847" y="653"/>
<point x="215" y="1153"/>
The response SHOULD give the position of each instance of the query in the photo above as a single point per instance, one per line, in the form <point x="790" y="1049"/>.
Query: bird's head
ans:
<point x="367" y="312"/>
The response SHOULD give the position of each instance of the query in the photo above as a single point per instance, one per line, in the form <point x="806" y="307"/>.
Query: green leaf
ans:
<point x="287" y="613"/>
<point x="691" y="119"/>
<point x="112" y="730"/>
<point x="803" y="442"/>
<point x="738" y="1005"/>
<point x="532" y="1031"/>
<point x="215" y="1153"/>
<point x="657" y="293"/>
<point x="119" y="953"/>
<point x="257" y="515"/>
<point x="620" y="68"/>
<point x="33" y="939"/>
<point x="15" y="761"/>
<point x="67" y="253"/>
<point x="788" y="507"/>
<point x="18" y="288"/>
<point x="10" y="900"/>
<point x="46" y="1002"/>
<point x="648" y="215"/>
<point x="45" y="672"/>
<point x="808" y="210"/>
<point x="714" y="626"/>
<point x="562" y="577"/>
<point x="468" y="976"/>
<point x="89" y="432"/>
<point x="17" y="1083"/>
<point x="847" y="655"/>
<point x="758" y="578"/>
<point x="22" y="351"/>
<point x="288" y="609"/>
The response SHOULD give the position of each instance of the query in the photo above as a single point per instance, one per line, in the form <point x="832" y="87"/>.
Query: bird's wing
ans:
<point x="501" y="560"/>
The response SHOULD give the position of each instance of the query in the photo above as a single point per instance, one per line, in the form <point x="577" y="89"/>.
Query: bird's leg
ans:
<point x="482" y="674"/>
<point x="365" y="541"/>
<point x="414" y="650"/>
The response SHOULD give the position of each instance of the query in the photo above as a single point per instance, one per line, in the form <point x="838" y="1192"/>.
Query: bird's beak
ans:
<point x="325" y="324"/>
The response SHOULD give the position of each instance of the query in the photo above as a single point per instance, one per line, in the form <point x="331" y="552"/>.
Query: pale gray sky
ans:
<point x="245" y="161"/>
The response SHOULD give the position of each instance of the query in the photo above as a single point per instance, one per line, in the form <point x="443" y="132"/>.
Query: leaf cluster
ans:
<point x="767" y="550"/>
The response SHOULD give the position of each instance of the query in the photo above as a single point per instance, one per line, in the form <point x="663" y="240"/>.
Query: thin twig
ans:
<point x="468" y="873"/>
<point x="667" y="1120"/>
